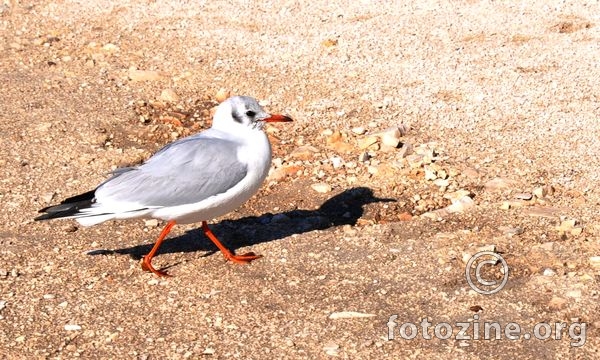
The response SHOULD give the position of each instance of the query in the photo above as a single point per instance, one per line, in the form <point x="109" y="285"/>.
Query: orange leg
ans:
<point x="240" y="259"/>
<point x="147" y="260"/>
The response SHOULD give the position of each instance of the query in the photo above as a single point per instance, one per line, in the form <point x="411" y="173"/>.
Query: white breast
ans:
<point x="255" y="152"/>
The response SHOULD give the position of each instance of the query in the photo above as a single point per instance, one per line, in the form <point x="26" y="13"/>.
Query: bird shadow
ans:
<point x="344" y="208"/>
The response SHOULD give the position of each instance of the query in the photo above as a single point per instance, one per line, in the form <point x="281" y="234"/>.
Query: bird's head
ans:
<point x="243" y="112"/>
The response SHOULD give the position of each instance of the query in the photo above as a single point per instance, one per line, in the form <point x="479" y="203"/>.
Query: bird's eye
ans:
<point x="250" y="113"/>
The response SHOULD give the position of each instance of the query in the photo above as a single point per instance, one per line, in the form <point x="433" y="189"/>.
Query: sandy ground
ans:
<point x="499" y="107"/>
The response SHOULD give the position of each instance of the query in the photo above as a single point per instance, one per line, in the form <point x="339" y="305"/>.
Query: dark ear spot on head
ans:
<point x="236" y="117"/>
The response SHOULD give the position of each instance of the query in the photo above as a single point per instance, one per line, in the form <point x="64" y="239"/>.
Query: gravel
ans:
<point x="422" y="133"/>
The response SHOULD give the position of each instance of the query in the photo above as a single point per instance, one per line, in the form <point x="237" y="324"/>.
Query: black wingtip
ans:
<point x="67" y="207"/>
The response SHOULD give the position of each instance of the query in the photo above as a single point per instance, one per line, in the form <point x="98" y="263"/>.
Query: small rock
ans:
<point x="538" y="211"/>
<point x="365" y="142"/>
<point x="222" y="95"/>
<point x="490" y="248"/>
<point x="391" y="137"/>
<point x="337" y="162"/>
<point x="69" y="228"/>
<point x="524" y="196"/>
<point x="511" y="231"/>
<point x="208" y="351"/>
<point x="363" y="157"/>
<point x="505" y="205"/>
<point x="595" y="262"/>
<point x="169" y="95"/>
<point x="47" y="198"/>
<point x="461" y="205"/>
<point x="337" y="143"/>
<point x="576" y="293"/>
<point x="144" y="75"/>
<point x="576" y="231"/>
<point x="359" y="130"/>
<point x="321" y="187"/>
<point x="549" y="272"/>
<point x="48" y="296"/>
<point x="349" y="315"/>
<point x="539" y="192"/>
<point x="72" y="327"/>
<point x="151" y="223"/>
<point x="2" y="304"/>
<point x="304" y="152"/>
<point x="331" y="349"/>
<point x="499" y="184"/>
<point x="3" y="273"/>
<point x="110" y="47"/>
<point x="404" y="129"/>
<point x="415" y="161"/>
<point x="441" y="182"/>
<point x="405" y="216"/>
<point x="405" y="150"/>
<point x="430" y="173"/>
<point x="453" y="196"/>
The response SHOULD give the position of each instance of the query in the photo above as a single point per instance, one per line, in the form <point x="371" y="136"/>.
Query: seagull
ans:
<point x="191" y="180"/>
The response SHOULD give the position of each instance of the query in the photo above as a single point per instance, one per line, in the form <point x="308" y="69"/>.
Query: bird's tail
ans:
<point x="71" y="208"/>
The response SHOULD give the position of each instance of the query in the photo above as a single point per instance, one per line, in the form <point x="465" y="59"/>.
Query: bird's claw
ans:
<point x="147" y="266"/>
<point x="242" y="259"/>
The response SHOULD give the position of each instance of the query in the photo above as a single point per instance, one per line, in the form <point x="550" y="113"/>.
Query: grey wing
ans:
<point x="184" y="172"/>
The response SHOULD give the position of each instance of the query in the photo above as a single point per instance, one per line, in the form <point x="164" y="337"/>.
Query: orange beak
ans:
<point x="278" y="118"/>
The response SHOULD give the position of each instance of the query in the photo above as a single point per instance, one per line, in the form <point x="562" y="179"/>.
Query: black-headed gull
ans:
<point x="194" y="179"/>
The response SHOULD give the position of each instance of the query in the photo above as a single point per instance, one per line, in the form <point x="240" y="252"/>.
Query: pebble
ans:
<point x="490" y="248"/>
<point x="169" y="95"/>
<point x="304" y="152"/>
<point x="331" y="349"/>
<point x="539" y="192"/>
<point x="538" y="211"/>
<point x="441" y="182"/>
<point x="144" y="75"/>
<point x="72" y="327"/>
<point x="222" y="95"/>
<point x="549" y="272"/>
<point x="499" y="184"/>
<point x="109" y="47"/>
<point x="336" y="142"/>
<point x="321" y="187"/>
<point x="363" y="157"/>
<point x="461" y="205"/>
<point x="365" y="142"/>
<point x="349" y="315"/>
<point x="557" y="303"/>
<point x="208" y="351"/>
<point x="359" y="130"/>
<point x="3" y="273"/>
<point x="337" y="162"/>
<point x="453" y="196"/>
<point x="47" y="198"/>
<point x="576" y="293"/>
<point x="415" y="160"/>
<point x="595" y="262"/>
<point x="405" y="150"/>
<point x="430" y="173"/>
<point x="2" y="304"/>
<point x="524" y="196"/>
<point x="151" y="223"/>
<point x="391" y="137"/>
<point x="511" y="231"/>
